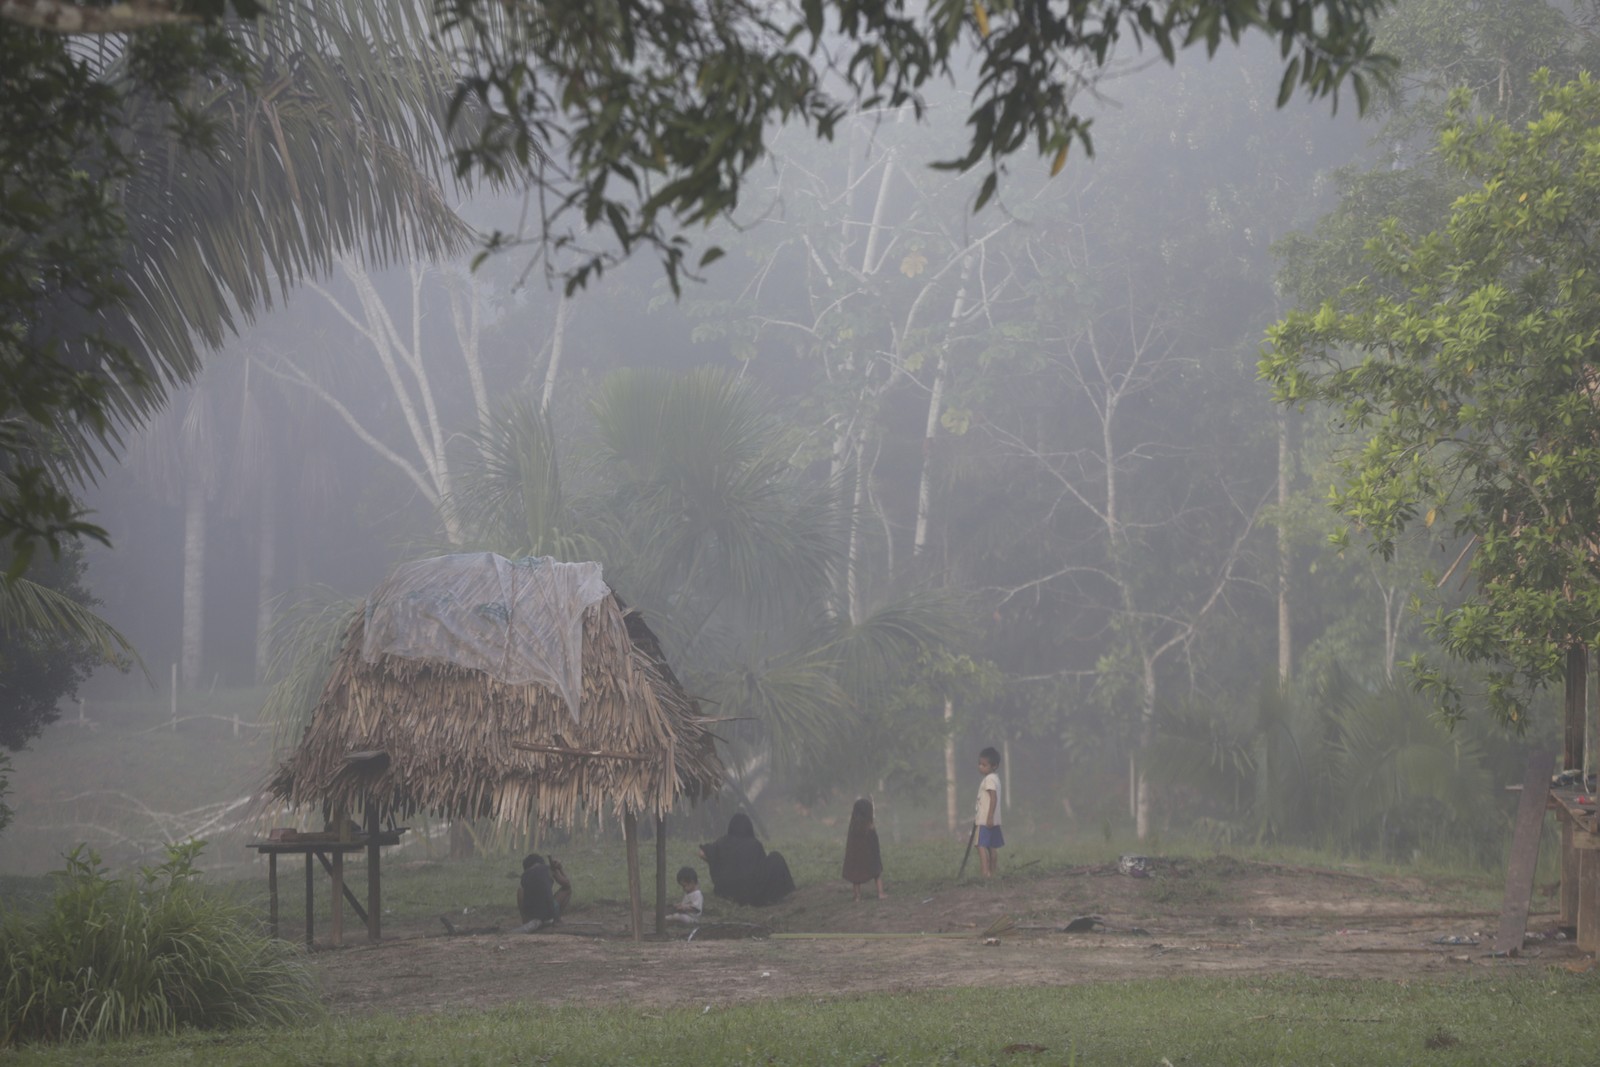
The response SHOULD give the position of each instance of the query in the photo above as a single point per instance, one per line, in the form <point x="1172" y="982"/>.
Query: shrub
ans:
<point x="149" y="954"/>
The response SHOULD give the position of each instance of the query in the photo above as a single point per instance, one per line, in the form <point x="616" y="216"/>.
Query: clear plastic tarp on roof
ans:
<point x="520" y="621"/>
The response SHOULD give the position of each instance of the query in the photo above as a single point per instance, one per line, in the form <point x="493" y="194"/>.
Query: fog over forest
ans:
<point x="1026" y="451"/>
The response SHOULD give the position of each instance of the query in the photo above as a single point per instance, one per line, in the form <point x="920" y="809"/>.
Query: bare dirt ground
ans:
<point x="1220" y="917"/>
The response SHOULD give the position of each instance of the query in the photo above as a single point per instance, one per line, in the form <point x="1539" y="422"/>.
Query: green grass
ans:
<point x="1526" y="1017"/>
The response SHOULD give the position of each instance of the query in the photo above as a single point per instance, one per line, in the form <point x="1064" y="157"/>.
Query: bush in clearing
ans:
<point x="154" y="953"/>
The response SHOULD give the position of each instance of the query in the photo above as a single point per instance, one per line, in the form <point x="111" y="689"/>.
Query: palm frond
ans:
<point x="305" y="641"/>
<point x="28" y="607"/>
<point x="796" y="700"/>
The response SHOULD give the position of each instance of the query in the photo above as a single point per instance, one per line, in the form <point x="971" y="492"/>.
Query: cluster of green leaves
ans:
<point x="646" y="116"/>
<point x="152" y="954"/>
<point x="1466" y="359"/>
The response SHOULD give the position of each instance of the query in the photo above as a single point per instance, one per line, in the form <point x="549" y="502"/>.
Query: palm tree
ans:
<point x="336" y="145"/>
<point x="336" y="148"/>
<point x="689" y="499"/>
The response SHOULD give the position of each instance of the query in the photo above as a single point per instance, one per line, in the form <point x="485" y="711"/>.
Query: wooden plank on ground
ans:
<point x="1524" y="854"/>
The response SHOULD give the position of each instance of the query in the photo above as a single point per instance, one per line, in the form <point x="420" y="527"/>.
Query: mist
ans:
<point x="1031" y="436"/>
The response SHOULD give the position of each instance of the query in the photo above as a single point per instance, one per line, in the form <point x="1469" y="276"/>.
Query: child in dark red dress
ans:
<point x="863" y="862"/>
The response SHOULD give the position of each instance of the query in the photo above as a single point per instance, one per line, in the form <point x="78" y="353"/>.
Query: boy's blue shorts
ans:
<point x="990" y="837"/>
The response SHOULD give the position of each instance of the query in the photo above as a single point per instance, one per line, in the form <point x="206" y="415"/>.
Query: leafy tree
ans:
<point x="645" y="117"/>
<point x="1466" y="359"/>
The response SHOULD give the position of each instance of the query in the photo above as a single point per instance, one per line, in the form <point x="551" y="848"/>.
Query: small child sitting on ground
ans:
<point x="689" y="909"/>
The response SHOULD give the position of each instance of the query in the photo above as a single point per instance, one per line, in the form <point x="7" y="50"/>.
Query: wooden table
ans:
<point x="319" y="848"/>
<point x="1579" y="816"/>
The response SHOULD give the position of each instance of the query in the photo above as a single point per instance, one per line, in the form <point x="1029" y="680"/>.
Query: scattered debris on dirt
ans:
<point x="1263" y="919"/>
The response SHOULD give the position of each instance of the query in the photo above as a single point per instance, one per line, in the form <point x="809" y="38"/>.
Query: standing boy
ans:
<point x="987" y="816"/>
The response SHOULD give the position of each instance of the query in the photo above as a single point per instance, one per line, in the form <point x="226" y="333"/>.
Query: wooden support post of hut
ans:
<point x="630" y="837"/>
<point x="661" y="874"/>
<point x="556" y="702"/>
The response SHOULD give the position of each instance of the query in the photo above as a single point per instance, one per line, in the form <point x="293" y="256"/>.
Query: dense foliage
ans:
<point x="153" y="953"/>
<point x="66" y="367"/>
<point x="50" y="641"/>
<point x="1466" y="360"/>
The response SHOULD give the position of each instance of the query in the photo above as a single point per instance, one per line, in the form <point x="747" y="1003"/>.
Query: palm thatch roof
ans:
<point x="412" y="733"/>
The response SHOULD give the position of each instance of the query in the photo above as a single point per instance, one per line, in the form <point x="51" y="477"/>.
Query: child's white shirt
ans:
<point x="991" y="781"/>
<point x="693" y="903"/>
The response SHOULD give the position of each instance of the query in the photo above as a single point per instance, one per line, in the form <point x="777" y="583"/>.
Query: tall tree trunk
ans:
<point x="958" y="308"/>
<point x="1147" y="736"/>
<point x="266" y="567"/>
<point x="1285" y="629"/>
<point x="558" y="337"/>
<point x="852" y="581"/>
<point x="194" y="572"/>
<point x="1576" y="720"/>
<point x="950" y="764"/>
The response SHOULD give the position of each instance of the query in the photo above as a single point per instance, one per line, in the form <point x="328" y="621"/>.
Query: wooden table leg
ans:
<point x="336" y="933"/>
<point x="1588" y="900"/>
<point x="272" y="892"/>
<point x="1569" y="875"/>
<point x="311" y="862"/>
<point x="374" y="892"/>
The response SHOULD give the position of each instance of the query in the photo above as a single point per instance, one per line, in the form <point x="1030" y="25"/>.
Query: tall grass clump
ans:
<point x="154" y="953"/>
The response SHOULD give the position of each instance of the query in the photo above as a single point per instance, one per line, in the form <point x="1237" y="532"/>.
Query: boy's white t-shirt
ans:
<point x="694" y="901"/>
<point x="990" y="781"/>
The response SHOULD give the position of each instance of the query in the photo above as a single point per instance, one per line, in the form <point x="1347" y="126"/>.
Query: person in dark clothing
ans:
<point x="543" y="893"/>
<point x="744" y="872"/>
<point x="863" y="862"/>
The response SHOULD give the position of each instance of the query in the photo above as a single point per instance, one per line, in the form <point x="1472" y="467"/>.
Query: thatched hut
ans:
<point x="476" y="687"/>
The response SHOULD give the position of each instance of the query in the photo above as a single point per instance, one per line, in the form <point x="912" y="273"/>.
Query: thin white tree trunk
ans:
<point x="1285" y="627"/>
<point x="466" y="315"/>
<point x="958" y="308"/>
<point x="194" y="568"/>
<point x="1392" y="606"/>
<point x="950" y="764"/>
<point x="426" y="433"/>
<point x="852" y="585"/>
<point x="1147" y="731"/>
<point x="266" y="569"/>
<point x="869" y="256"/>
<point x="557" y="345"/>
